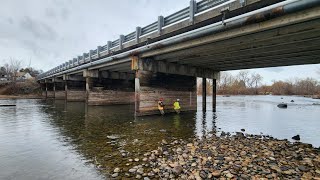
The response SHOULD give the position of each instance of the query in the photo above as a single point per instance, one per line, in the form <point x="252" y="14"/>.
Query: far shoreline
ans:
<point x="31" y="96"/>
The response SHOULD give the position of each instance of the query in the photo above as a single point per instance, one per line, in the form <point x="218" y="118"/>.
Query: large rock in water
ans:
<point x="296" y="137"/>
<point x="282" y="105"/>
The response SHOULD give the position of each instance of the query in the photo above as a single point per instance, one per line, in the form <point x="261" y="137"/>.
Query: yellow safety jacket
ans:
<point x="176" y="105"/>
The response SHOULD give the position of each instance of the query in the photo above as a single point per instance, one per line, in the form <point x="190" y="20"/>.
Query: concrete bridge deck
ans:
<point x="165" y="62"/>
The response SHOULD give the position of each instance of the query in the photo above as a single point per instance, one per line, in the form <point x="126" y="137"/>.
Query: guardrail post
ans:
<point x="74" y="62"/>
<point x="98" y="51"/>
<point x="109" y="43"/>
<point x="121" y="40"/>
<point x="79" y="57"/>
<point x="192" y="10"/>
<point x="243" y="2"/>
<point x="90" y="55"/>
<point x="224" y="11"/>
<point x="138" y="34"/>
<point x="70" y="63"/>
<point x="84" y="57"/>
<point x="160" y="24"/>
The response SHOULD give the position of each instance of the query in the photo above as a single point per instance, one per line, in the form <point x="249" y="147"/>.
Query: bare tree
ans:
<point x="243" y="77"/>
<point x="7" y="70"/>
<point x="14" y="67"/>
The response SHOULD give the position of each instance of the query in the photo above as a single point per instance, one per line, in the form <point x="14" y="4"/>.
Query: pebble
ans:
<point x="138" y="176"/>
<point x="231" y="157"/>
<point x="177" y="170"/>
<point x="303" y="168"/>
<point x="115" y="175"/>
<point x="216" y="173"/>
<point x="116" y="170"/>
<point x="203" y="174"/>
<point x="140" y="171"/>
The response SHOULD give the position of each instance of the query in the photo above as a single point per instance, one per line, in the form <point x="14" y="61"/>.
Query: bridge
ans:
<point x="164" y="58"/>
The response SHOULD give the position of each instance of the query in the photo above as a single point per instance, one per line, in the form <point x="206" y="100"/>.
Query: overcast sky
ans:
<point x="48" y="33"/>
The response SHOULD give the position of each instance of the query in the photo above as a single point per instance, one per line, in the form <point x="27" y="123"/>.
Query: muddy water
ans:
<point x="57" y="140"/>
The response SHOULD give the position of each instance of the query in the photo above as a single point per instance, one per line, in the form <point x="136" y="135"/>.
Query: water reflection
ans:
<point x="65" y="138"/>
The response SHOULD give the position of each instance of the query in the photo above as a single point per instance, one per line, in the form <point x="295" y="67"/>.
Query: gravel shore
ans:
<point x="228" y="157"/>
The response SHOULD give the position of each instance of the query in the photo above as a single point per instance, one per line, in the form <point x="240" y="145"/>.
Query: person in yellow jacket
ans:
<point x="176" y="106"/>
<point x="161" y="106"/>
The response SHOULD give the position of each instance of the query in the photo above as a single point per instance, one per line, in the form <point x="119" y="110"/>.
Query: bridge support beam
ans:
<point x="59" y="92"/>
<point x="150" y="87"/>
<point x="214" y="95"/>
<point x="204" y="94"/>
<point x="43" y="86"/>
<point x="74" y="87"/>
<point x="49" y="88"/>
<point x="171" y="81"/>
<point x="109" y="88"/>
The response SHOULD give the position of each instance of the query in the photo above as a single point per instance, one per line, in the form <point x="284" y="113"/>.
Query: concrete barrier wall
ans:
<point x="73" y="95"/>
<point x="110" y="97"/>
<point x="60" y="94"/>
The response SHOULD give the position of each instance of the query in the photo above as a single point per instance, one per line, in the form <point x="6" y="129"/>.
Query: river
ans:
<point x="51" y="139"/>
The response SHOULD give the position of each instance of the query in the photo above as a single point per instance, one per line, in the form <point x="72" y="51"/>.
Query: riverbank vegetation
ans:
<point x="28" y="87"/>
<point x="16" y="80"/>
<point x="245" y="83"/>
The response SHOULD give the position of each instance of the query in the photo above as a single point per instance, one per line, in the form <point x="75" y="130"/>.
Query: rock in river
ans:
<point x="296" y="137"/>
<point x="116" y="170"/>
<point x="113" y="137"/>
<point x="282" y="105"/>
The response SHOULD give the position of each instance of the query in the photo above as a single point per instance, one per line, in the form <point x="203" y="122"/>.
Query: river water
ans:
<point x="51" y="139"/>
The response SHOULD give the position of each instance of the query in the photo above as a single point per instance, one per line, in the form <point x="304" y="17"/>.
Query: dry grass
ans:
<point x="20" y="88"/>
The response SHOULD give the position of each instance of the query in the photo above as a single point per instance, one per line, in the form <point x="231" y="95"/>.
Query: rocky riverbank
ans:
<point x="228" y="157"/>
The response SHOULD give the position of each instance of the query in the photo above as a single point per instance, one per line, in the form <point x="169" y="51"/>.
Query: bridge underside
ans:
<point x="170" y="72"/>
<point x="284" y="41"/>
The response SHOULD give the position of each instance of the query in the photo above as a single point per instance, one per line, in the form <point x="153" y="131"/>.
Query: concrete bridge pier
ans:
<point x="214" y="93"/>
<point x="170" y="81"/>
<point x="49" y="88"/>
<point x="204" y="94"/>
<point x="151" y="86"/>
<point x="74" y="87"/>
<point x="59" y="92"/>
<point x="44" y="88"/>
<point x="109" y="87"/>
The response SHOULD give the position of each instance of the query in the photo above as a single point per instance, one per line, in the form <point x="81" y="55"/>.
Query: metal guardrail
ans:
<point x="192" y="10"/>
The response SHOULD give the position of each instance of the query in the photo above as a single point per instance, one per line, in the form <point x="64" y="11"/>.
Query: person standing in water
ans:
<point x="161" y="106"/>
<point x="176" y="106"/>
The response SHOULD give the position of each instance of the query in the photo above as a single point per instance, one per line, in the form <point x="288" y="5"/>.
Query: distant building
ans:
<point x="22" y="76"/>
<point x="3" y="77"/>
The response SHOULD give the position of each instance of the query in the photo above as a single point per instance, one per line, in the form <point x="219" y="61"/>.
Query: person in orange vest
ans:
<point x="161" y="106"/>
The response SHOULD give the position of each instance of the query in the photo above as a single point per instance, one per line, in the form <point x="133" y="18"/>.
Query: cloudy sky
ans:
<point x="49" y="32"/>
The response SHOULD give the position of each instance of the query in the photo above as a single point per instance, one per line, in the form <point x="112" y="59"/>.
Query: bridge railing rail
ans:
<point x="190" y="12"/>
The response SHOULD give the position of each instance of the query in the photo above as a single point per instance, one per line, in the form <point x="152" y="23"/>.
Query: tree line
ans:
<point x="246" y="83"/>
